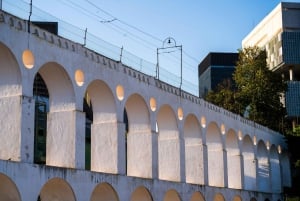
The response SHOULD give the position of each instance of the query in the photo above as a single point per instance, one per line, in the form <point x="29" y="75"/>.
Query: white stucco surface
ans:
<point x="207" y="152"/>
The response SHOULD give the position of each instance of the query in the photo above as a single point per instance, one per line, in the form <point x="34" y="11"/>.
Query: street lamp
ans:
<point x="169" y="44"/>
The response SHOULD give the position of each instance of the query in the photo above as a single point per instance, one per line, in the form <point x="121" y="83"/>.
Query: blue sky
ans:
<point x="200" y="26"/>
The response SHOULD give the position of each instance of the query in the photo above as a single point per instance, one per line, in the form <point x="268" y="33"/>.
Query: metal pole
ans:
<point x="157" y="65"/>
<point x="0" y="4"/>
<point x="180" y="66"/>
<point x="30" y="12"/>
<point x="84" y="39"/>
<point x="121" y="54"/>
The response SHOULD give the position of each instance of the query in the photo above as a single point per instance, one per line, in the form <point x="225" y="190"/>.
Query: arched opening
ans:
<point x="197" y="196"/>
<point x="56" y="189"/>
<point x="168" y="145"/>
<point x="88" y="110"/>
<point x="233" y="161"/>
<point x="263" y="168"/>
<point x="8" y="189"/>
<point x="275" y="170"/>
<point x="219" y="197"/>
<point x="11" y="110"/>
<point x="62" y="118"/>
<point x="139" y="138"/>
<point x="41" y="97"/>
<point x="104" y="192"/>
<point x="237" y="198"/>
<point x="102" y="119"/>
<point x="215" y="156"/>
<point x="249" y="163"/>
<point x="193" y="151"/>
<point x="285" y="169"/>
<point x="141" y="194"/>
<point x="172" y="195"/>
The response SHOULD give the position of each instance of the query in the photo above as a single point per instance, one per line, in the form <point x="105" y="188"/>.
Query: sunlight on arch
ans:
<point x="57" y="189"/>
<point x="237" y="198"/>
<point x="8" y="189"/>
<point x="193" y="150"/>
<point x="101" y="117"/>
<point x="171" y="195"/>
<point x="168" y="145"/>
<point x="104" y="192"/>
<point x="249" y="163"/>
<point x="139" y="137"/>
<point x="215" y="155"/>
<point x="61" y="91"/>
<point x="10" y="73"/>
<point x="141" y="194"/>
<point x="233" y="160"/>
<point x="197" y="196"/>
<point x="219" y="197"/>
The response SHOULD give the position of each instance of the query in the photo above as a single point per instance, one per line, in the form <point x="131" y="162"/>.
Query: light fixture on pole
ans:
<point x="27" y="56"/>
<point x="169" y="43"/>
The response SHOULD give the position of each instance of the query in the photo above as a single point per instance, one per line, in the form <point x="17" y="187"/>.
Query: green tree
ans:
<point x="258" y="90"/>
<point x="223" y="96"/>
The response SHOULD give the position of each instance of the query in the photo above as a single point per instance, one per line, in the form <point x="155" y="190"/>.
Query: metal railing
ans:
<point x="20" y="9"/>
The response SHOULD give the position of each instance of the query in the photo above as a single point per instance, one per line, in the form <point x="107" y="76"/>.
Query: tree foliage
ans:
<point x="257" y="92"/>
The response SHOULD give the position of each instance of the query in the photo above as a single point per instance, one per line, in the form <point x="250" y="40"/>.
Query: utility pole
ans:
<point x="0" y="4"/>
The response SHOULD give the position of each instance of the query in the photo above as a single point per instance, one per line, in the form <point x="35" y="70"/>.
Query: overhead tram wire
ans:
<point x="116" y="27"/>
<point x="113" y="26"/>
<point x="131" y="26"/>
<point x="190" y="66"/>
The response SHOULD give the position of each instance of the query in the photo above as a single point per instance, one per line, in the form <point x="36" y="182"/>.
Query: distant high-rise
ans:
<point x="279" y="34"/>
<point x="215" y="68"/>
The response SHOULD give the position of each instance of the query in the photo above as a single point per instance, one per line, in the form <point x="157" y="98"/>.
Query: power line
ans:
<point x="109" y="23"/>
<point x="133" y="27"/>
<point x="104" y="21"/>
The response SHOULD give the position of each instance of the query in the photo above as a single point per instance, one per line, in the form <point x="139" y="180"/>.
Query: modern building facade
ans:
<point x="77" y="126"/>
<point x="279" y="34"/>
<point x="215" y="68"/>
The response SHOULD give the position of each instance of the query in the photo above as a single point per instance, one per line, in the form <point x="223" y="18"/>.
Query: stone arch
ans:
<point x="57" y="189"/>
<point x="62" y="118"/>
<point x="237" y="198"/>
<point x="197" y="196"/>
<point x="275" y="170"/>
<point x="168" y="145"/>
<point x="61" y="91"/>
<point x="10" y="74"/>
<point x="233" y="160"/>
<point x="215" y="155"/>
<point x="104" y="192"/>
<point x="285" y="169"/>
<point x="193" y="150"/>
<point x="263" y="167"/>
<point x="219" y="197"/>
<point x="139" y="137"/>
<point x="104" y="129"/>
<point x="249" y="163"/>
<point x="8" y="189"/>
<point x="172" y="195"/>
<point x="141" y="194"/>
<point x="11" y="110"/>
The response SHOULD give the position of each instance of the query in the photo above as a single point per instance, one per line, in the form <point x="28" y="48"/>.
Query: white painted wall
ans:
<point x="167" y="155"/>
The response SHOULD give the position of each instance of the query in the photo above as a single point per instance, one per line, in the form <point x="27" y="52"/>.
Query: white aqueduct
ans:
<point x="149" y="141"/>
